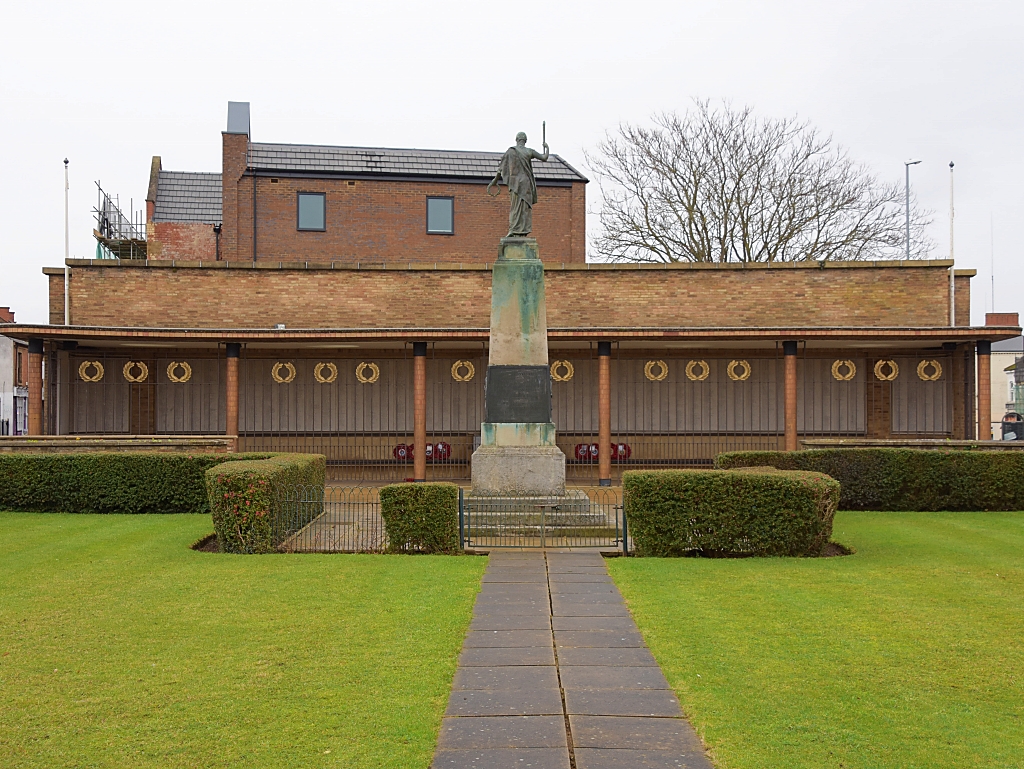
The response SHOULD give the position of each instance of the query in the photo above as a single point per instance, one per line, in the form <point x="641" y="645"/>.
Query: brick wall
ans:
<point x="55" y="286"/>
<point x="219" y="297"/>
<point x="385" y="221"/>
<point x="181" y="240"/>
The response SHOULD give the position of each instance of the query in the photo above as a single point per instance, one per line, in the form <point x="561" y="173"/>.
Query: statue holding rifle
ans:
<point x="516" y="171"/>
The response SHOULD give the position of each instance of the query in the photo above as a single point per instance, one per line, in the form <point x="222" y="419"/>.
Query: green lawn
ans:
<point x="120" y="647"/>
<point x="909" y="653"/>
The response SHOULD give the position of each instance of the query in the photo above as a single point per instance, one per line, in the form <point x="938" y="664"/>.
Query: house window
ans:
<point x="441" y="216"/>
<point x="312" y="211"/>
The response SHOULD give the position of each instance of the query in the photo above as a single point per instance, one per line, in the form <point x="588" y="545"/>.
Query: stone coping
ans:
<point x="272" y="264"/>
<point x="75" y="443"/>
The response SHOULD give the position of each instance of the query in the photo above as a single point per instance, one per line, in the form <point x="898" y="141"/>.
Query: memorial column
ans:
<point x="984" y="390"/>
<point x="789" y="352"/>
<point x="231" y="409"/>
<point x="604" y="413"/>
<point x="35" y="387"/>
<point x="419" y="400"/>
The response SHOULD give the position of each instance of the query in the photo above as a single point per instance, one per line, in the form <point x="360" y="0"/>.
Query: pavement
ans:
<point x="554" y="674"/>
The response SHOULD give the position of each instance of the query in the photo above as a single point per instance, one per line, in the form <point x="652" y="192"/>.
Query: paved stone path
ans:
<point x="554" y="674"/>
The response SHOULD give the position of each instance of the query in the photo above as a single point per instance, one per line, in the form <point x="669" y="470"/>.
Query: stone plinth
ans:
<point x="517" y="454"/>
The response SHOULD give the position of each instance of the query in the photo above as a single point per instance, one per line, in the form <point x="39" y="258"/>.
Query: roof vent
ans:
<point x="238" y="117"/>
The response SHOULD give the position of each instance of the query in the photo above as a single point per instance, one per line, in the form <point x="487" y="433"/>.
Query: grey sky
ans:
<point x="110" y="84"/>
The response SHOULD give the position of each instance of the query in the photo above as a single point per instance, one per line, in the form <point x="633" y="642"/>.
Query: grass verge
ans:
<point x="909" y="653"/>
<point x="120" y="646"/>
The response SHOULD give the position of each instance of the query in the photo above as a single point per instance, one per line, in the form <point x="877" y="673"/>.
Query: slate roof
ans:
<point x="396" y="162"/>
<point x="187" y="196"/>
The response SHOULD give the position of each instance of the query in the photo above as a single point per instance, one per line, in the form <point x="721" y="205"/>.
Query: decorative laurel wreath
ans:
<point x="894" y="370"/>
<point x="741" y="364"/>
<point x="289" y="368"/>
<point x="318" y="373"/>
<point x="691" y="370"/>
<point x="662" y="367"/>
<point x="460" y="365"/>
<point x="83" y="371"/>
<point x="143" y="374"/>
<point x="837" y="370"/>
<point x="374" y="372"/>
<point x="922" y="370"/>
<point x="172" y="371"/>
<point x="562" y="371"/>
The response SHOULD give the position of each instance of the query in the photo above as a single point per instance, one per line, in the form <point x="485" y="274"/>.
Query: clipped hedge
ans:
<point x="109" y="481"/>
<point x="421" y="517"/>
<point x="906" y="479"/>
<point x="249" y="513"/>
<point x="721" y="512"/>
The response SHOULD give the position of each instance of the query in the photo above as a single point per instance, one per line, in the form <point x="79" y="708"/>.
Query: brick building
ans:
<point x="13" y="381"/>
<point x="349" y="317"/>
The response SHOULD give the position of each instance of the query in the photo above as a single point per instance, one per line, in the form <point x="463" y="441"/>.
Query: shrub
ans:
<point x="109" y="482"/>
<point x="421" y="517"/>
<point x="906" y="479"/>
<point x="246" y="499"/>
<point x="722" y="512"/>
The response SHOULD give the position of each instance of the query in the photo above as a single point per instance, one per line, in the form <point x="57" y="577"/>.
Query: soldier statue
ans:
<point x="516" y="171"/>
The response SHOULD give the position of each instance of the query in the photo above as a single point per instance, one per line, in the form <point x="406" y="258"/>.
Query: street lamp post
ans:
<point x="907" y="165"/>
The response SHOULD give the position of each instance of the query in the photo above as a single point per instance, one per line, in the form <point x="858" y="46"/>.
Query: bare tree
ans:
<point x="720" y="185"/>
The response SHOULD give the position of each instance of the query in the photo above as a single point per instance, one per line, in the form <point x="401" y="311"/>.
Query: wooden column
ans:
<point x="231" y="385"/>
<point x="789" y="350"/>
<point x="604" y="413"/>
<point x="35" y="386"/>
<point x="984" y="390"/>
<point x="419" y="405"/>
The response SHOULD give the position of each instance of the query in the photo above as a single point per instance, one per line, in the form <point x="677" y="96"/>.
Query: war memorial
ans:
<point x="362" y="303"/>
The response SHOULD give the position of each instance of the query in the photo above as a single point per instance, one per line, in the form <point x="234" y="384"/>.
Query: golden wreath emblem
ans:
<point x="318" y="373"/>
<point x="463" y="365"/>
<point x="172" y="371"/>
<point x="922" y="370"/>
<point x="289" y="375"/>
<point x="731" y="370"/>
<point x="96" y="366"/>
<point x="562" y="371"/>
<point x="894" y="370"/>
<point x="361" y="372"/>
<point x="837" y="370"/>
<point x="143" y="374"/>
<point x="691" y="370"/>
<point x="662" y="367"/>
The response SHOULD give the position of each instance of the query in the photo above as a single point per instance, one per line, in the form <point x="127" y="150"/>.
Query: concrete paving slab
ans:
<point x="593" y="623"/>
<point x="513" y="677"/>
<point x="502" y="732"/>
<point x="572" y="569"/>
<point x="674" y="734"/>
<point x="506" y="758"/>
<point x="494" y="656"/>
<point x="556" y="579"/>
<point x="519" y="622"/>
<point x="587" y="588"/>
<point x="505" y="702"/>
<point x="539" y="578"/>
<point x="512" y="610"/>
<point x="598" y="638"/>
<point x="584" y="599"/>
<point x="631" y="656"/>
<point x="609" y="677"/>
<point x="507" y="638"/>
<point x="624" y="702"/>
<point x="597" y="758"/>
<point x="589" y="610"/>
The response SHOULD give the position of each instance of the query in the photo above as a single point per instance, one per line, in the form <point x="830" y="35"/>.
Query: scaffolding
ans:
<point x="118" y="236"/>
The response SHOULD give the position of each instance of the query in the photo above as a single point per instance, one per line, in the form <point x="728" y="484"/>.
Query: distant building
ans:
<point x="13" y="381"/>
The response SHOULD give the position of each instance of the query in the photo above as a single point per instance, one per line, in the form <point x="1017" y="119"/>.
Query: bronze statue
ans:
<point x="516" y="171"/>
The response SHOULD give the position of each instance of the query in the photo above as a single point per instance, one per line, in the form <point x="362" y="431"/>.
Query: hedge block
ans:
<point x="906" y="479"/>
<point x="721" y="512"/>
<point x="109" y="482"/>
<point x="246" y="500"/>
<point x="421" y="517"/>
